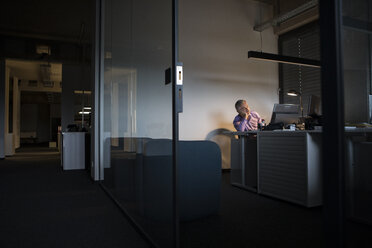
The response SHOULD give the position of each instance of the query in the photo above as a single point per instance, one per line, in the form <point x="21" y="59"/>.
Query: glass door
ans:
<point x="356" y="42"/>
<point x="137" y="114"/>
<point x="346" y="73"/>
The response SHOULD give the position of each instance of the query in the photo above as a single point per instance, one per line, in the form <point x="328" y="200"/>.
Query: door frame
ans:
<point x="330" y="15"/>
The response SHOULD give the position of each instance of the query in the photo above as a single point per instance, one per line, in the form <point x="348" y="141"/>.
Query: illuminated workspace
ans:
<point x="215" y="44"/>
<point x="166" y="167"/>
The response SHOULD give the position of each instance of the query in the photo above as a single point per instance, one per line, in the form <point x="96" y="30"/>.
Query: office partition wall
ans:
<point x="216" y="36"/>
<point x="136" y="114"/>
<point x="346" y="76"/>
<point x="356" y="49"/>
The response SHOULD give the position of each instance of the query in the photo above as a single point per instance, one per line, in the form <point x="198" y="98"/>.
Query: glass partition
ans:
<point x="137" y="116"/>
<point x="256" y="188"/>
<point x="356" y="41"/>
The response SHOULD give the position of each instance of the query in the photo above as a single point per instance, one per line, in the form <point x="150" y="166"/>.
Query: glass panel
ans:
<point x="137" y="117"/>
<point x="219" y="172"/>
<point x="358" y="136"/>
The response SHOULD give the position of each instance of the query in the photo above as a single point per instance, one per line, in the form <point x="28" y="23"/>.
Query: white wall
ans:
<point x="214" y="38"/>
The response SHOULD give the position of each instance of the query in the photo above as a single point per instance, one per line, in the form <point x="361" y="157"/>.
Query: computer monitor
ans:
<point x="286" y="113"/>
<point x="314" y="107"/>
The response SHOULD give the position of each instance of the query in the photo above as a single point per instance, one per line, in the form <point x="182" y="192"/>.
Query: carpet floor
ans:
<point x="43" y="206"/>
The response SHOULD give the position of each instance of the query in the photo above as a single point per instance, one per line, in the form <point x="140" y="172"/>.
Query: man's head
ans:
<point x="242" y="107"/>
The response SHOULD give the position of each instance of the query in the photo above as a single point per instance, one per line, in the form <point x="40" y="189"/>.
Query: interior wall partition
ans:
<point x="356" y="49"/>
<point x="346" y="69"/>
<point x="137" y="115"/>
<point x="238" y="221"/>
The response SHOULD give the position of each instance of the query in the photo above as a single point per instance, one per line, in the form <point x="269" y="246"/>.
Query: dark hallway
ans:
<point x="43" y="206"/>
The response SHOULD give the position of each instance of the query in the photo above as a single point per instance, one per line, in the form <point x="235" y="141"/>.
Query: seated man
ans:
<point x="245" y="120"/>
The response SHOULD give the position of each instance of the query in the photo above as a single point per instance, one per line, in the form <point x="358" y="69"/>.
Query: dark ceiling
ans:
<point x="60" y="19"/>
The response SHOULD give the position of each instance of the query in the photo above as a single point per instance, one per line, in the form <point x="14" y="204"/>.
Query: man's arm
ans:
<point x="257" y="121"/>
<point x="256" y="116"/>
<point x="240" y="125"/>
<point x="259" y="118"/>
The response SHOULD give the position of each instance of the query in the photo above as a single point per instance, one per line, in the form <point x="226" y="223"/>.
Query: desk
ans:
<point x="288" y="165"/>
<point x="244" y="152"/>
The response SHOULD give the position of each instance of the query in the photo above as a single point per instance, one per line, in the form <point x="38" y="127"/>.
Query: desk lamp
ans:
<point x="295" y="93"/>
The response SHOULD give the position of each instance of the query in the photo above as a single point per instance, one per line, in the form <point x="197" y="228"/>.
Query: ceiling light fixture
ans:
<point x="283" y="59"/>
<point x="84" y="112"/>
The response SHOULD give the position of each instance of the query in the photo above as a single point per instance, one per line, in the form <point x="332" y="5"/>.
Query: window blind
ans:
<point x="304" y="43"/>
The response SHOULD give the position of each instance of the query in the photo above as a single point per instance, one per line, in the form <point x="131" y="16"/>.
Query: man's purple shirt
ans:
<point x="242" y="124"/>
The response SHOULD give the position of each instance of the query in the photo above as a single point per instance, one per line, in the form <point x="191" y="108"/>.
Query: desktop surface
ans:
<point x="288" y="131"/>
<point x="273" y="131"/>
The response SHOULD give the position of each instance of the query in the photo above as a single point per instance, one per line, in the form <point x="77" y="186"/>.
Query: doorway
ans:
<point x="33" y="109"/>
